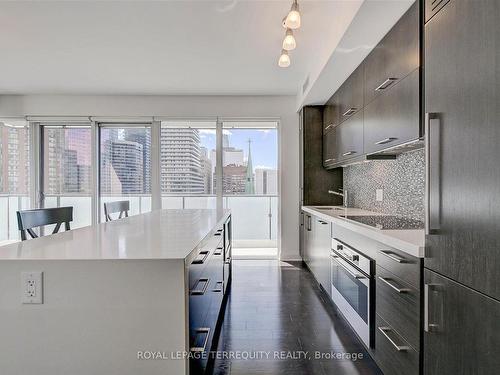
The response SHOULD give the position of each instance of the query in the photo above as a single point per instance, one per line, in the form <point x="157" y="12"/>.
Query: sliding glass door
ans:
<point x="125" y="166"/>
<point x="250" y="185"/>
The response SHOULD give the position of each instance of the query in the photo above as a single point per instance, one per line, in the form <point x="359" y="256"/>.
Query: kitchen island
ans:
<point x="140" y="295"/>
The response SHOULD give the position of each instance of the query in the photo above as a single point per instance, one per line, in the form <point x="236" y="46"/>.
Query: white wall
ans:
<point x="283" y="107"/>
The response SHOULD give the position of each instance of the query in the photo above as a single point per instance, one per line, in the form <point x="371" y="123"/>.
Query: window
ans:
<point x="67" y="170"/>
<point x="125" y="166"/>
<point x="14" y="174"/>
<point x="187" y="161"/>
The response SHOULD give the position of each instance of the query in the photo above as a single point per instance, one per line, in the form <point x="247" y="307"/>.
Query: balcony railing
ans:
<point x="255" y="217"/>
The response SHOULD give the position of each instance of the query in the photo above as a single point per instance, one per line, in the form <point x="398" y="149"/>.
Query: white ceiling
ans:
<point x="160" y="47"/>
<point x="185" y="47"/>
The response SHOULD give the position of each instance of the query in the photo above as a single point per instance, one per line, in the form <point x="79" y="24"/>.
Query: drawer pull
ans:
<point x="350" y="111"/>
<point x="387" y="282"/>
<point x="219" y="286"/>
<point x="200" y="291"/>
<point x="201" y="331"/>
<point x="329" y="160"/>
<point x="201" y="257"/>
<point x="322" y="222"/>
<point x="399" y="348"/>
<point x="388" y="82"/>
<point x="394" y="257"/>
<point x="329" y="126"/>
<point x="385" y="141"/>
<point x="348" y="153"/>
<point x="218" y="251"/>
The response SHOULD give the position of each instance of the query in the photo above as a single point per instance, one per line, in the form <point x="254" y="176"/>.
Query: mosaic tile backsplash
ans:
<point x="402" y="181"/>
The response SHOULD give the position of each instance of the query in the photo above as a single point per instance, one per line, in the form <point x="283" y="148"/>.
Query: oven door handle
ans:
<point x="347" y="268"/>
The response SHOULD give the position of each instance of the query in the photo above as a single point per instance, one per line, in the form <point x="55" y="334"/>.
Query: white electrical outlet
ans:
<point x="379" y="195"/>
<point x="32" y="287"/>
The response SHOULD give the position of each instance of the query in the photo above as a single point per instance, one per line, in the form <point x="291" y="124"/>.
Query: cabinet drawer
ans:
<point x="351" y="94"/>
<point x="398" y="303"/>
<point x="392" y="353"/>
<point x="350" y="137"/>
<point x="396" y="56"/>
<point x="400" y="264"/>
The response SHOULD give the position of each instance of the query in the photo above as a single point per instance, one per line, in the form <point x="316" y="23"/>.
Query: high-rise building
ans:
<point x="206" y="168"/>
<point x="143" y="137"/>
<point x="127" y="163"/>
<point x="266" y="181"/>
<point x="14" y="159"/>
<point x="181" y="161"/>
<point x="233" y="179"/>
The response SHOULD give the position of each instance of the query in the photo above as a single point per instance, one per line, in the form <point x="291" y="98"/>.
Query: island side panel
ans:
<point x="96" y="317"/>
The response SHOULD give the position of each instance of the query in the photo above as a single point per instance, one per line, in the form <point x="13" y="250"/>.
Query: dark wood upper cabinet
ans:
<point x="350" y="137"/>
<point x="350" y="94"/>
<point x="331" y="113"/>
<point x="315" y="180"/>
<point x="330" y="147"/>
<point x="396" y="56"/>
<point x="393" y="118"/>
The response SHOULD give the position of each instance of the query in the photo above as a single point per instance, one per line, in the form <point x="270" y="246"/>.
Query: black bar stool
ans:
<point x="122" y="207"/>
<point x="29" y="219"/>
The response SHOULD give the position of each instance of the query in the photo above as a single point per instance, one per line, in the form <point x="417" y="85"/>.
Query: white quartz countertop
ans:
<point x="160" y="234"/>
<point x="410" y="241"/>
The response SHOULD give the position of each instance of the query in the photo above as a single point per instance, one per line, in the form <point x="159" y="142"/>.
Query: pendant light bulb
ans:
<point x="292" y="20"/>
<point x="289" y="42"/>
<point x="284" y="60"/>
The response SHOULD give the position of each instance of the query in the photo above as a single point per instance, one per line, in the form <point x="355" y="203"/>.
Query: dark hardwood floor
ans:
<point x="276" y="306"/>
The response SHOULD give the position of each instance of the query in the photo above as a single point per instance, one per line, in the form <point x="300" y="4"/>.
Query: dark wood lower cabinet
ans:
<point x="461" y="329"/>
<point x="392" y="352"/>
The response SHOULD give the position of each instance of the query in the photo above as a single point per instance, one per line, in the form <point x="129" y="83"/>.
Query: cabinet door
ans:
<point x="323" y="242"/>
<point x="330" y="148"/>
<point x="350" y="137"/>
<point x="461" y="329"/>
<point x="396" y="56"/>
<point x="394" y="117"/>
<point x="331" y="113"/>
<point x="432" y="7"/>
<point x="462" y="80"/>
<point x="351" y="94"/>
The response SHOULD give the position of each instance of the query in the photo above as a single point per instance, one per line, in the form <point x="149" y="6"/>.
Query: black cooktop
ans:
<point x="387" y="222"/>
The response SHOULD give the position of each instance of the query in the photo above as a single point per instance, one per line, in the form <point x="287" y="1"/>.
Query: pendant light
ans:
<point x="284" y="60"/>
<point x="292" y="20"/>
<point x="289" y="42"/>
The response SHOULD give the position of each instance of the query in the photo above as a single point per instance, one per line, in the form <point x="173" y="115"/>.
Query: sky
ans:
<point x="264" y="144"/>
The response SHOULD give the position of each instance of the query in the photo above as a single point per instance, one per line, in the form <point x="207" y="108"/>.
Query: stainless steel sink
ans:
<point x="329" y="208"/>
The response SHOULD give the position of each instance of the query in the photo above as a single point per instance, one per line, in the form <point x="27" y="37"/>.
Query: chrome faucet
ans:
<point x="342" y="193"/>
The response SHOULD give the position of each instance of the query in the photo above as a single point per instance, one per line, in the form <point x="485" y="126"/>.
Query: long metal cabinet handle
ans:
<point x="387" y="282"/>
<point x="348" y="153"/>
<point x="393" y="256"/>
<point x="329" y="126"/>
<point x="428" y="326"/>
<point x="204" y="331"/>
<point x="339" y="261"/>
<point x="329" y="160"/>
<point x="350" y="111"/>
<point x="388" y="82"/>
<point x="385" y="141"/>
<point x="433" y="172"/>
<point x="308" y="223"/>
<point x="201" y="257"/>
<point x="399" y="348"/>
